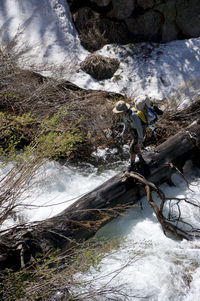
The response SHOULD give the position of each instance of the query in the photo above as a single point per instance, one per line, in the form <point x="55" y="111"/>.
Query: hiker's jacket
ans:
<point x="132" y="122"/>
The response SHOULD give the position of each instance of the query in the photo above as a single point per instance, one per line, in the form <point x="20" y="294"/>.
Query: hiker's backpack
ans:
<point x="148" y="118"/>
<point x="150" y="115"/>
<point x="140" y="115"/>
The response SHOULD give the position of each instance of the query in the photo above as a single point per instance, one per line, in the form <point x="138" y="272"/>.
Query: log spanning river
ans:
<point x="146" y="264"/>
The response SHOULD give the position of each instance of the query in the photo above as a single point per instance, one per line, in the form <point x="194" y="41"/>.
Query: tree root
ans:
<point x="171" y="223"/>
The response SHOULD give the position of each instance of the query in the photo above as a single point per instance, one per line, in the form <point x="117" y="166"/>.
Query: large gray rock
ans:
<point x="168" y="10"/>
<point x="147" y="26"/>
<point x="188" y="17"/>
<point x="148" y="3"/>
<point x="101" y="2"/>
<point x="99" y="67"/>
<point x="126" y="21"/>
<point x="123" y="9"/>
<point x="170" y="31"/>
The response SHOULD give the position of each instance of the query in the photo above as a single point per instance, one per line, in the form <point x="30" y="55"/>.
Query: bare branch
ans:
<point x="171" y="223"/>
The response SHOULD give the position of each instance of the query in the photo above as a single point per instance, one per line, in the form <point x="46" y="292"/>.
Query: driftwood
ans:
<point x="82" y="219"/>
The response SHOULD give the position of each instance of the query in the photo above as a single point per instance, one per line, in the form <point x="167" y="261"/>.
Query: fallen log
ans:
<point x="87" y="215"/>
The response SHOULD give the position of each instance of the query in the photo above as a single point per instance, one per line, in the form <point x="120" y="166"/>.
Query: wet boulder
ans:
<point x="188" y="17"/>
<point x="123" y="9"/>
<point x="101" y="3"/>
<point x="170" y="30"/>
<point x="146" y="26"/>
<point x="147" y="3"/>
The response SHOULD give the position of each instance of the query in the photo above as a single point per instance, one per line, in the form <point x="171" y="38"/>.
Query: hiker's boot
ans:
<point x="143" y="167"/>
<point x="141" y="159"/>
<point x="132" y="167"/>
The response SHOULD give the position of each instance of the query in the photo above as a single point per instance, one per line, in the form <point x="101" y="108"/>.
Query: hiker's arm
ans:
<point x="125" y="127"/>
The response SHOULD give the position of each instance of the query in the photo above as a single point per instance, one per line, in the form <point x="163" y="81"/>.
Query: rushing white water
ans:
<point x="146" y="264"/>
<point x="54" y="188"/>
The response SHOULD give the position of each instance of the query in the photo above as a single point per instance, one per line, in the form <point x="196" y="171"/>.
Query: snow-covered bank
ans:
<point x="46" y="31"/>
<point x="161" y="71"/>
<point x="43" y="30"/>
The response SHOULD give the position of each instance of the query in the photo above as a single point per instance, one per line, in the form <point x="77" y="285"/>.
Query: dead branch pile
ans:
<point x="99" y="67"/>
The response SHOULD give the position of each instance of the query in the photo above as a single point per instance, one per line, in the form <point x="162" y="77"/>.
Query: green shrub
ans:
<point x="55" y="272"/>
<point x="52" y="137"/>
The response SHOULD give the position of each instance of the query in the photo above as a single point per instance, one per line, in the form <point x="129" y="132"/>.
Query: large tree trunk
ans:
<point x="82" y="219"/>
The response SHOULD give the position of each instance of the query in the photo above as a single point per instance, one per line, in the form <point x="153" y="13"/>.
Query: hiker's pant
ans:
<point x="134" y="147"/>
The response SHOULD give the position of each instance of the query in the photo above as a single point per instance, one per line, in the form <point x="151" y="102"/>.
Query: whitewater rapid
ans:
<point x="146" y="264"/>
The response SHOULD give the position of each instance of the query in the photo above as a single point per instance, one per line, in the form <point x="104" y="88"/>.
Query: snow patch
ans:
<point x="44" y="30"/>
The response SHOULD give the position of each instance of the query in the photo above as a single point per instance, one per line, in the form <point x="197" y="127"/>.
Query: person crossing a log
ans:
<point x="136" y="119"/>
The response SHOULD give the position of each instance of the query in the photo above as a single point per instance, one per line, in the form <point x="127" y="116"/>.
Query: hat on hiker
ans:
<point x="121" y="106"/>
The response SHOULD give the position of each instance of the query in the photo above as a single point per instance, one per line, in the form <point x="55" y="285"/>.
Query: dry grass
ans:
<point x="27" y="92"/>
<point x="14" y="184"/>
<point x="172" y="122"/>
<point x="24" y="91"/>
<point x="61" y="277"/>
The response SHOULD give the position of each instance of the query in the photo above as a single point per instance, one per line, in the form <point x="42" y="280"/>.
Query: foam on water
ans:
<point x="55" y="188"/>
<point x="147" y="263"/>
<point x="152" y="265"/>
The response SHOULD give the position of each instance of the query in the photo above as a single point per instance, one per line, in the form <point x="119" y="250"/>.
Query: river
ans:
<point x="146" y="265"/>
